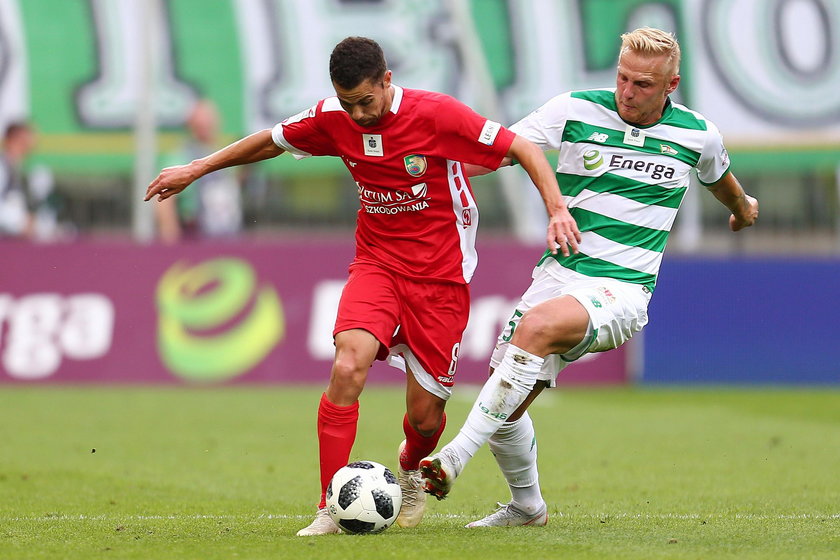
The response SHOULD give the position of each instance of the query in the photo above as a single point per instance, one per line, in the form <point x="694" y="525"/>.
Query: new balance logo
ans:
<point x="598" y="137"/>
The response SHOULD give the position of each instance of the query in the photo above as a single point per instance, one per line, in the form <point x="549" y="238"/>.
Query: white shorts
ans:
<point x="617" y="310"/>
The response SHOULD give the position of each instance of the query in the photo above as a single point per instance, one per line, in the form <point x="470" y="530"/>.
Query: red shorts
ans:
<point x="418" y="324"/>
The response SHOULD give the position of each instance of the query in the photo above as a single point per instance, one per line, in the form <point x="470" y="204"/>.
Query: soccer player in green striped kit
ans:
<point x="624" y="164"/>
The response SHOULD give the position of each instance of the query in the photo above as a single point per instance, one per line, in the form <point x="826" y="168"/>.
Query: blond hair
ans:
<point x="649" y="41"/>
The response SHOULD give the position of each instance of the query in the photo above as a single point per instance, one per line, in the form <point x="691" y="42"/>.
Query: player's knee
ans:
<point x="550" y="330"/>
<point x="426" y="427"/>
<point x="535" y="330"/>
<point x="348" y="371"/>
<point x="425" y="418"/>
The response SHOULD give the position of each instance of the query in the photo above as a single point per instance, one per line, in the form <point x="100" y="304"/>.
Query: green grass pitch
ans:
<point x="232" y="472"/>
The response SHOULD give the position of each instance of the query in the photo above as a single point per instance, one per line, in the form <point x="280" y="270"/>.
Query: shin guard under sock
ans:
<point x="336" y="435"/>
<point x="501" y="395"/>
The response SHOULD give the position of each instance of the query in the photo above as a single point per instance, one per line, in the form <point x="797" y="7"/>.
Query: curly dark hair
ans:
<point x="356" y="59"/>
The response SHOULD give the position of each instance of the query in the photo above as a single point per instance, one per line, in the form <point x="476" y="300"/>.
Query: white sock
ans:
<point x="515" y="447"/>
<point x="499" y="398"/>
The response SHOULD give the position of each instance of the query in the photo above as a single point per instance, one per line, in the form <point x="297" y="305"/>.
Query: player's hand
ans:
<point x="171" y="180"/>
<point x="563" y="233"/>
<point x="748" y="217"/>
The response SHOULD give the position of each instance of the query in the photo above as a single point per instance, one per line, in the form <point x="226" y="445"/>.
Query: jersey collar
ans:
<point x="397" y="100"/>
<point x="666" y="111"/>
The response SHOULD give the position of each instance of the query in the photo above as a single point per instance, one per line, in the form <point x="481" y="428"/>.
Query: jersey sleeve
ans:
<point x="544" y="126"/>
<point x="468" y="137"/>
<point x="302" y="136"/>
<point x="714" y="160"/>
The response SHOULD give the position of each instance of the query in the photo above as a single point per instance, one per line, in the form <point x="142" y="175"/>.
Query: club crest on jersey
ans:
<point x="415" y="164"/>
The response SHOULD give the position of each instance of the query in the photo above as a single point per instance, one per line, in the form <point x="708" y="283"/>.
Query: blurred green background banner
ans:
<point x="767" y="73"/>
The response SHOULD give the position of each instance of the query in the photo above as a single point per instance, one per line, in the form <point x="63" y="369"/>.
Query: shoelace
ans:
<point x="454" y="461"/>
<point x="503" y="511"/>
<point x="410" y="498"/>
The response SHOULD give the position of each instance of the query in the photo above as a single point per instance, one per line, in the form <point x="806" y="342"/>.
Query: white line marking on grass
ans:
<point x="693" y="516"/>
<point x="458" y="516"/>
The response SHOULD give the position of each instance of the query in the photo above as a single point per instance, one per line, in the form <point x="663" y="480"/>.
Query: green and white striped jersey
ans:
<point x="623" y="184"/>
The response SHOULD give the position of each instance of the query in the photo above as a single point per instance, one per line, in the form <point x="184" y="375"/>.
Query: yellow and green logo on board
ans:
<point x="215" y="320"/>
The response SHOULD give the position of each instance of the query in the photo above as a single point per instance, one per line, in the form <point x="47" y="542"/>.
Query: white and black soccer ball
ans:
<point x="364" y="497"/>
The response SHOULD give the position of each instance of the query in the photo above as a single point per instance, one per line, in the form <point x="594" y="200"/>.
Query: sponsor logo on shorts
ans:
<point x="607" y="294"/>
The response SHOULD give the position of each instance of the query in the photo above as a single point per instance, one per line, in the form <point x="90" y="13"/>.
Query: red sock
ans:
<point x="418" y="446"/>
<point x="336" y="434"/>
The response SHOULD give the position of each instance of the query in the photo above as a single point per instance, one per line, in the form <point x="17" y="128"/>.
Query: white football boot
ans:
<point x="413" y="497"/>
<point x="439" y="472"/>
<point x="322" y="525"/>
<point x="509" y="516"/>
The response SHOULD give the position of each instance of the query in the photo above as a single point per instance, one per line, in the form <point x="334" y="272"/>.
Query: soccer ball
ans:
<point x="364" y="497"/>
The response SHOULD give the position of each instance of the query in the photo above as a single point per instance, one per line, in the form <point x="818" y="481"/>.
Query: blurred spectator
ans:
<point x="16" y="220"/>
<point x="28" y="207"/>
<point x="214" y="208"/>
<point x="44" y="203"/>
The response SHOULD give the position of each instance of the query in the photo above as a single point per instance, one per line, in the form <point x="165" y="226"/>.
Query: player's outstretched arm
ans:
<point x="563" y="232"/>
<point x="251" y="149"/>
<point x="731" y="194"/>
<point x="473" y="170"/>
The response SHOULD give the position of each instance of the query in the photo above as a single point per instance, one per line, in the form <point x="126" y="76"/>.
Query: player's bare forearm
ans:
<point x="473" y="170"/>
<point x="563" y="232"/>
<point x="731" y="194"/>
<point x="251" y="149"/>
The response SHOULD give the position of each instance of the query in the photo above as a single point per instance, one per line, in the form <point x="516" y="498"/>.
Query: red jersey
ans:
<point x="417" y="213"/>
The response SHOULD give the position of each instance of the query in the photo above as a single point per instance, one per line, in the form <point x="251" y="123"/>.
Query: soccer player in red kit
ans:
<point x="407" y="296"/>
